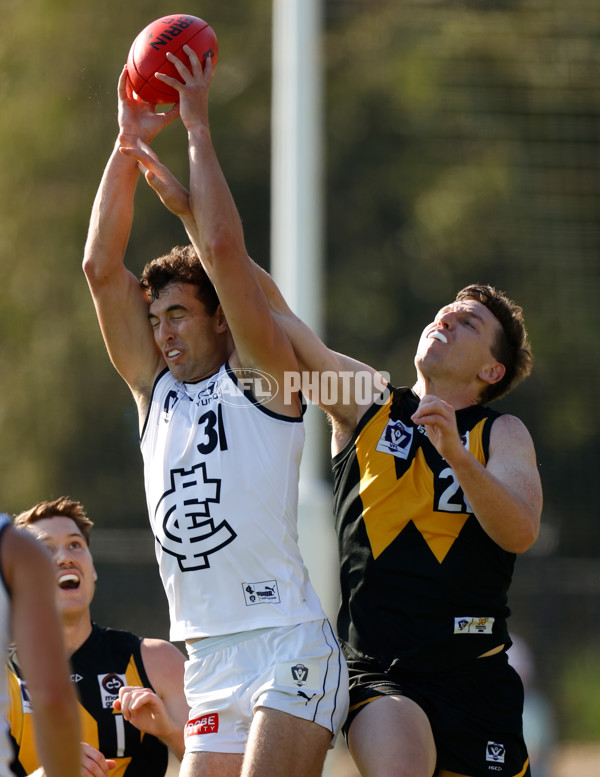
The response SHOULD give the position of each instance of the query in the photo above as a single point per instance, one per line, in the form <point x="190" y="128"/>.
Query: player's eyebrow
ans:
<point x="170" y="309"/>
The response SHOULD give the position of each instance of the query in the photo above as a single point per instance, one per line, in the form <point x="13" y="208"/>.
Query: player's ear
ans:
<point x="492" y="373"/>
<point x="221" y="324"/>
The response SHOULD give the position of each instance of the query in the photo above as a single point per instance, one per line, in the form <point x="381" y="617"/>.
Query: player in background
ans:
<point x="434" y="495"/>
<point x="28" y="615"/>
<point x="130" y="690"/>
<point x="266" y="681"/>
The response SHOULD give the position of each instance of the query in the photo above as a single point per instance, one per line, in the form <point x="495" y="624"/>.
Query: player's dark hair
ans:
<point x="180" y="265"/>
<point x="64" y="507"/>
<point x="512" y="348"/>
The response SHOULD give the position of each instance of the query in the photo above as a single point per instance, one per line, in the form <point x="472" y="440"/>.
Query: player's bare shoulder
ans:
<point x="509" y="432"/>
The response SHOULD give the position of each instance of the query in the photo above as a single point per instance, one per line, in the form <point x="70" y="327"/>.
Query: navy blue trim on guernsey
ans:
<point x="3" y="526"/>
<point x="158" y="377"/>
<point x="248" y="394"/>
<point x="251" y="398"/>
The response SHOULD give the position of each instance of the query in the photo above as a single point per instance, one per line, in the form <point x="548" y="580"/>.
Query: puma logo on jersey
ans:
<point x="261" y="593"/>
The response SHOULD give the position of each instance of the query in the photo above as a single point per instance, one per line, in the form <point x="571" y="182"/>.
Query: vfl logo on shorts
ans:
<point x="495" y="752"/>
<point x="396" y="439"/>
<point x="109" y="688"/>
<point x="206" y="724"/>
<point x="299" y="674"/>
<point x="473" y="625"/>
<point x="265" y="592"/>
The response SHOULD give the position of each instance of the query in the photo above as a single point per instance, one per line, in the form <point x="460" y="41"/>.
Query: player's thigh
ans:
<point x="391" y="737"/>
<point x="282" y="745"/>
<point x="211" y="765"/>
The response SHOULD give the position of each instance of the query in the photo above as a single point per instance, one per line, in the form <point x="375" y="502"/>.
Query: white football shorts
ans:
<point x="298" y="669"/>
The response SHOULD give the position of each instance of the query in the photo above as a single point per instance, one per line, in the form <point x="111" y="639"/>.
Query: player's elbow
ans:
<point x="91" y="270"/>
<point x="528" y="534"/>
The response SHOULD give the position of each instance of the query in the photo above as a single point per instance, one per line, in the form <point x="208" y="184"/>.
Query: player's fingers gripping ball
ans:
<point x="148" y="54"/>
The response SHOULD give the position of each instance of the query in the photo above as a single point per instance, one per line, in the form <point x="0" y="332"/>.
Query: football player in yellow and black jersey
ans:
<point x="434" y="495"/>
<point x="130" y="690"/>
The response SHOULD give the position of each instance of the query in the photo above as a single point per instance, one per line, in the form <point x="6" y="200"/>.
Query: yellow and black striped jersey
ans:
<point x="107" y="660"/>
<point x="423" y="585"/>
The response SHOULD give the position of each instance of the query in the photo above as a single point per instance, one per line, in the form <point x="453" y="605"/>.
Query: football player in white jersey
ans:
<point x="266" y="681"/>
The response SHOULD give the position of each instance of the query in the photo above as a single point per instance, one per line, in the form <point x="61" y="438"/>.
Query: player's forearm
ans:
<point x="112" y="216"/>
<point x="510" y="519"/>
<point x="57" y="738"/>
<point x="174" y="740"/>
<point x="218" y="225"/>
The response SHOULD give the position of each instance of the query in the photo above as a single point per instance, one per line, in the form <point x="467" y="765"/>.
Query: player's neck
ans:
<point x="457" y="396"/>
<point x="76" y="629"/>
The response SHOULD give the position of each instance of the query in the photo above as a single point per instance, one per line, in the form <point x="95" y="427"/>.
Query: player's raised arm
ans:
<point x="36" y="628"/>
<point x="120" y="303"/>
<point x="313" y="356"/>
<point x="258" y="339"/>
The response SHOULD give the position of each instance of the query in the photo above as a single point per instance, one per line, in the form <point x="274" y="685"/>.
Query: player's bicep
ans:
<point x="165" y="666"/>
<point x="512" y="460"/>
<point x="122" y="310"/>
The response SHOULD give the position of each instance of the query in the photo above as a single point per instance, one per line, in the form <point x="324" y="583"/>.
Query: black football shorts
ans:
<point x="475" y="711"/>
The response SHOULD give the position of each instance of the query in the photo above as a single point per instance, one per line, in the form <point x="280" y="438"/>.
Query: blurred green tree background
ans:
<point x="462" y="145"/>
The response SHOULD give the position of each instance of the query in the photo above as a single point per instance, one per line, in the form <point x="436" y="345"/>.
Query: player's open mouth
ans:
<point x="437" y="335"/>
<point x="68" y="581"/>
<point x="173" y="353"/>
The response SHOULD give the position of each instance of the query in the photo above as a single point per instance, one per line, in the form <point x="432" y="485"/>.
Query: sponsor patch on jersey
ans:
<point x="265" y="592"/>
<point x="472" y="625"/>
<point x="396" y="439"/>
<point x="109" y="688"/>
<point x="170" y="402"/>
<point x="298" y="674"/>
<point x="495" y="752"/>
<point x="205" y="724"/>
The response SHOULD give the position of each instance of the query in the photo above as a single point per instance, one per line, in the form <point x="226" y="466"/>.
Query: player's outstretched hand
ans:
<point x="172" y="193"/>
<point x="137" y="118"/>
<point x="145" y="710"/>
<point x="93" y="763"/>
<point x="193" y="92"/>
